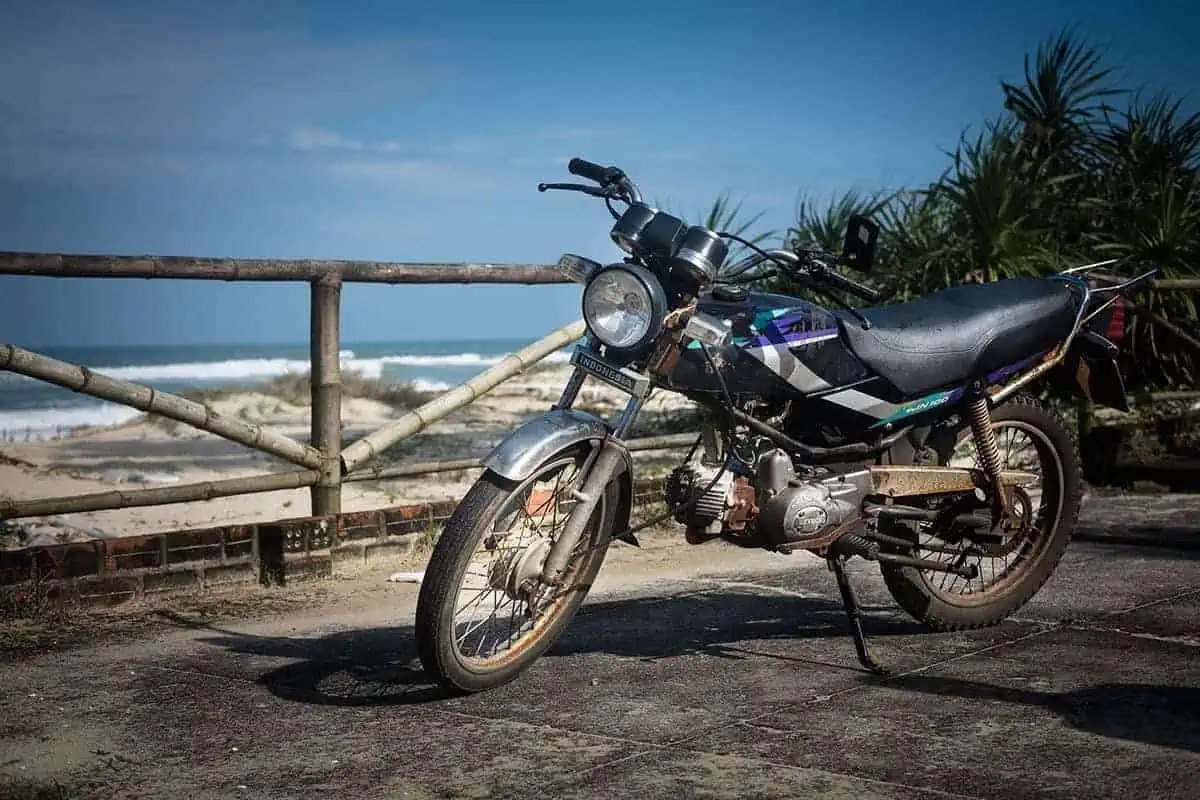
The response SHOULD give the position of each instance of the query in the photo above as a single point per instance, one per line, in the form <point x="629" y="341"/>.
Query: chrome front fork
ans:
<point x="599" y="468"/>
<point x="571" y="390"/>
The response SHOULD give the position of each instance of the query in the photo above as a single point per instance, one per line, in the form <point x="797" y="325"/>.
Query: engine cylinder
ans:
<point x="709" y="505"/>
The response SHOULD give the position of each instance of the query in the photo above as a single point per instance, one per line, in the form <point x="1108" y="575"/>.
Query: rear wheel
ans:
<point x="1033" y="439"/>
<point x="482" y="617"/>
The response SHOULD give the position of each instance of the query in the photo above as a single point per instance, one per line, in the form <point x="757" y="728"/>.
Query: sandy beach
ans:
<point x="152" y="451"/>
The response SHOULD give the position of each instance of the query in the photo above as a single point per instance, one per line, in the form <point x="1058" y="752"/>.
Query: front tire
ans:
<point x="446" y="649"/>
<point x="949" y="603"/>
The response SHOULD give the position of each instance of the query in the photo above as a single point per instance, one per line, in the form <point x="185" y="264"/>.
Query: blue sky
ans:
<point x="418" y="132"/>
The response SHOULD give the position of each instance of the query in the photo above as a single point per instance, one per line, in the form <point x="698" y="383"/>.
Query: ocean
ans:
<point x="30" y="409"/>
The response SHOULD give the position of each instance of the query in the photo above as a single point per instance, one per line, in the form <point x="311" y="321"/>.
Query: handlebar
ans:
<point x="614" y="183"/>
<point x="840" y="281"/>
<point x="594" y="172"/>
<point x="811" y="265"/>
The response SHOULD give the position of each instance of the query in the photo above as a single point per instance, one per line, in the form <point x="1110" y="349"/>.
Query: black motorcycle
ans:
<point x="898" y="434"/>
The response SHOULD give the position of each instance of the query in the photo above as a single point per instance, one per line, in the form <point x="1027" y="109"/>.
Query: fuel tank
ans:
<point x="782" y="347"/>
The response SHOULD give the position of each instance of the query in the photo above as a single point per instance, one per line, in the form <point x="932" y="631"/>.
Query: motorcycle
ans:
<point x="903" y="434"/>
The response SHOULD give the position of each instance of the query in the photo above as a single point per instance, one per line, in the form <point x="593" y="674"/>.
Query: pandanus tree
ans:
<point x="1149" y="202"/>
<point x="1063" y="176"/>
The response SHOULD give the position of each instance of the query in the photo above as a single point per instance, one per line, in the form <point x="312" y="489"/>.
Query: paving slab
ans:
<point x="710" y="676"/>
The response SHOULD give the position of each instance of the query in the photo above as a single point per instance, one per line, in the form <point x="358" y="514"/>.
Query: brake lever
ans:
<point x="595" y="191"/>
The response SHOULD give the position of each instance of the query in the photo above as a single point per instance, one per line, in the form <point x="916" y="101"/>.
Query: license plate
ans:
<point x="622" y="378"/>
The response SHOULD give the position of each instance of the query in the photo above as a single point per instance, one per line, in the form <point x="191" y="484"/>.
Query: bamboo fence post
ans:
<point x="187" y="493"/>
<point x="1167" y="325"/>
<point x="371" y="445"/>
<point x="143" y="398"/>
<point x="325" y="377"/>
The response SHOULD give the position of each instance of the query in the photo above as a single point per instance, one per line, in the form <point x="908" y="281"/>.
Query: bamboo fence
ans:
<point x="326" y="466"/>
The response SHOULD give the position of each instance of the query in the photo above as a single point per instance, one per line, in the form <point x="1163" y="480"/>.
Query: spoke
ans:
<point x="477" y="598"/>
<point x="503" y="626"/>
<point x="554" y="519"/>
<point x="490" y="622"/>
<point x="511" y="617"/>
<point x="470" y="630"/>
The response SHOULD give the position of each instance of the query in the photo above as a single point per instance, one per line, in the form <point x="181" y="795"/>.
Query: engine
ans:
<point x="787" y="511"/>
<point x="724" y="506"/>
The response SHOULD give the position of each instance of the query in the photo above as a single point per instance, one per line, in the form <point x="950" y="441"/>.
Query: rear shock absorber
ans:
<point x="980" y="416"/>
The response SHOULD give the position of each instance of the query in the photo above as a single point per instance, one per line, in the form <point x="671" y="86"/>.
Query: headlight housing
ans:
<point x="624" y="306"/>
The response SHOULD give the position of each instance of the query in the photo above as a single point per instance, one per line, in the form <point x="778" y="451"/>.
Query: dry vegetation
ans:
<point x="294" y="388"/>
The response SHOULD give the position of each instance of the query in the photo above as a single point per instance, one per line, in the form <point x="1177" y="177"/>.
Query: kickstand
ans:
<point x="850" y="603"/>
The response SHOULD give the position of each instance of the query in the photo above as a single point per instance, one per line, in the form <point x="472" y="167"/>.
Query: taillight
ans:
<point x="1116" y="323"/>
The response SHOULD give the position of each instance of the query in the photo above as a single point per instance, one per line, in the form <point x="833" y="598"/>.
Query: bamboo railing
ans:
<point x="328" y="466"/>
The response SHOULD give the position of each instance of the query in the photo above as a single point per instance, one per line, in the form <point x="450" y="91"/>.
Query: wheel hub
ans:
<point x="515" y="572"/>
<point x="1018" y="522"/>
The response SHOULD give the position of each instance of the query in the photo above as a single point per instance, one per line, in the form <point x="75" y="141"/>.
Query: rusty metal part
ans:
<point x="1001" y="393"/>
<point x="1004" y="541"/>
<point x="820" y="544"/>
<point x="665" y="356"/>
<point x="908" y="481"/>
<point x="743" y="509"/>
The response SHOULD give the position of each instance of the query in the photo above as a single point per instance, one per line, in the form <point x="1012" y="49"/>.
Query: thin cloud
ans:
<point x="310" y="140"/>
<point x="425" y="176"/>
<point x="102" y="85"/>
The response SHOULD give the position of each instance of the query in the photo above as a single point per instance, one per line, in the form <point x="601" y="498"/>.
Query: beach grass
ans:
<point x="294" y="388"/>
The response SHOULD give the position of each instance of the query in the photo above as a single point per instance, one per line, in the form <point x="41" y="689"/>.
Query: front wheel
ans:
<point x="482" y="617"/>
<point x="1033" y="439"/>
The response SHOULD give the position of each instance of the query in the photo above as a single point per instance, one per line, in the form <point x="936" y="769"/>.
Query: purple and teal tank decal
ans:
<point x="780" y="339"/>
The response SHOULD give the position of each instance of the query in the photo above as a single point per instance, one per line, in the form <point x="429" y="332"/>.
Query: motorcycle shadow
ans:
<point x="1164" y="716"/>
<point x="379" y="666"/>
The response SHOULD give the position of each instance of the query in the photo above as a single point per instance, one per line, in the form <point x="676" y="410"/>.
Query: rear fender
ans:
<point x="1090" y="368"/>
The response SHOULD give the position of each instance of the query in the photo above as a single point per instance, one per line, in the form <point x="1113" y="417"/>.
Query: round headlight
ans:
<point x="624" y="306"/>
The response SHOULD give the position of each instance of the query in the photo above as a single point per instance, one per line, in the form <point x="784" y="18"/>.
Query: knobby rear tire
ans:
<point x="911" y="587"/>
<point x="471" y="520"/>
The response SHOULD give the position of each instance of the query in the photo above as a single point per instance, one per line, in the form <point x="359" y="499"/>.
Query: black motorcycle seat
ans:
<point x="965" y="332"/>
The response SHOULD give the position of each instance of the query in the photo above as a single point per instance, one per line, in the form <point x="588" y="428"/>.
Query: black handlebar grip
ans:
<point x="852" y="286"/>
<point x="593" y="172"/>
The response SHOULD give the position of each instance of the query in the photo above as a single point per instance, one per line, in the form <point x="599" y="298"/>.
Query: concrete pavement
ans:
<point x="721" y="673"/>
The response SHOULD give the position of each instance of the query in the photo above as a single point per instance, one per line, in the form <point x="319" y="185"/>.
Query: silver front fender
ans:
<point x="525" y="449"/>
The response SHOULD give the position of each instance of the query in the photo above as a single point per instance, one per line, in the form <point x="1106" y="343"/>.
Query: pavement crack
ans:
<point x="1152" y="603"/>
<point x="758" y="587"/>
<point x="201" y="673"/>
<point x="829" y="772"/>
<point x="1188" y="641"/>
<point x="871" y="681"/>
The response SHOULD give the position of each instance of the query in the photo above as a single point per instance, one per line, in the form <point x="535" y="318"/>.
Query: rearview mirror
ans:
<point x="858" y="248"/>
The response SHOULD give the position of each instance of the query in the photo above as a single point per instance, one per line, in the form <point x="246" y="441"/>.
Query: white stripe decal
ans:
<point x="807" y="342"/>
<point x="780" y="360"/>
<point x="863" y="403"/>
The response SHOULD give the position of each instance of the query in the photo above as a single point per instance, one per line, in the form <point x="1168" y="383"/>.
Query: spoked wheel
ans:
<point x="1031" y="439"/>
<point x="482" y="614"/>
